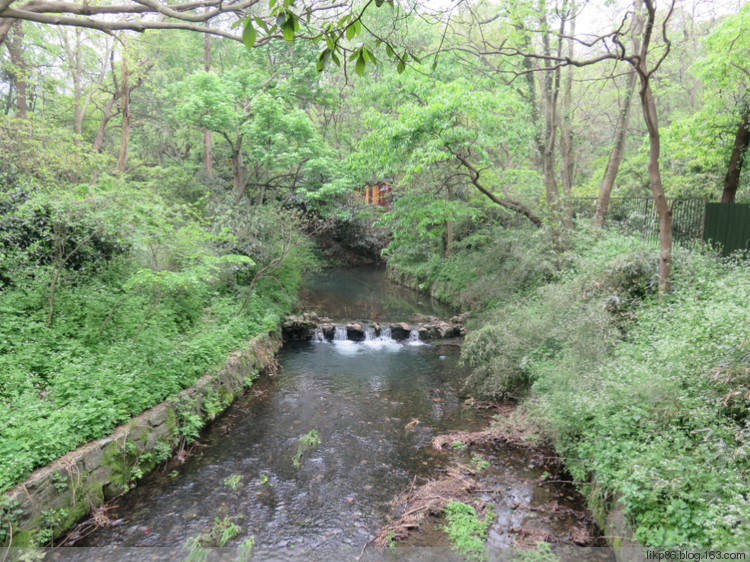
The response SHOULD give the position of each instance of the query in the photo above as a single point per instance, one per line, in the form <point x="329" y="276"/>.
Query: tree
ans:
<point x="727" y="71"/>
<point x="621" y="128"/>
<point x="272" y="143"/>
<point x="609" y="47"/>
<point x="456" y="133"/>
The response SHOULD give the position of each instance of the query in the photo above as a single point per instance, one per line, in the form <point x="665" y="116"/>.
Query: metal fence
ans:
<point x="638" y="216"/>
<point x="728" y="226"/>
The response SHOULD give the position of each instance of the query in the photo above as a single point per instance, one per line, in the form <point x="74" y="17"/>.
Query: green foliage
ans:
<point x="479" y="463"/>
<point x="306" y="442"/>
<point x="146" y="304"/>
<point x="245" y="549"/>
<point x="489" y="264"/>
<point x="233" y="481"/>
<point x="223" y="530"/>
<point x="570" y="322"/>
<point x="9" y="514"/>
<point x="647" y="398"/>
<point x="665" y="401"/>
<point x="466" y="532"/>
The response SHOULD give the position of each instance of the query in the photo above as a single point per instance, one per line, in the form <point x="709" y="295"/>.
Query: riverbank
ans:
<point x="645" y="399"/>
<point x="56" y="496"/>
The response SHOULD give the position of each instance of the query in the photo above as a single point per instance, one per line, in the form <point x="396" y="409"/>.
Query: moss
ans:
<point x="22" y="538"/>
<point x="115" y="458"/>
<point x="225" y="396"/>
<point x="75" y="512"/>
<point x="171" y="421"/>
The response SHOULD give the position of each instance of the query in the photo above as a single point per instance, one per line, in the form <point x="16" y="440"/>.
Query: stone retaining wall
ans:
<point x="56" y="496"/>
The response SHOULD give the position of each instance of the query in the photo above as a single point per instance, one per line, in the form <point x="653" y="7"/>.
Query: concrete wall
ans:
<point x="56" y="496"/>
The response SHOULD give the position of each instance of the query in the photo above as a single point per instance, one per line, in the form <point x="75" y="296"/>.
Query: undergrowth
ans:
<point x="646" y="399"/>
<point x="465" y="531"/>
<point x="112" y="301"/>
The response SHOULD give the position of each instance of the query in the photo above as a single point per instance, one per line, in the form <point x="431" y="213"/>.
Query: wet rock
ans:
<point x="328" y="328"/>
<point x="441" y="330"/>
<point x="400" y="331"/>
<point x="299" y="327"/>
<point x="424" y="319"/>
<point x="461" y="318"/>
<point x="355" y="332"/>
<point x="429" y="332"/>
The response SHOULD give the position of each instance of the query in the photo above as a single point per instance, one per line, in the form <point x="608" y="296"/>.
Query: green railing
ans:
<point x="728" y="226"/>
<point x="638" y="216"/>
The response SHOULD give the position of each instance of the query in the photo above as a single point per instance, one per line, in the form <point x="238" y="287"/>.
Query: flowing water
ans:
<point x="375" y="406"/>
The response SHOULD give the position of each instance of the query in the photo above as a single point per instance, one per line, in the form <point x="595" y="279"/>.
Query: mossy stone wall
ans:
<point x="56" y="496"/>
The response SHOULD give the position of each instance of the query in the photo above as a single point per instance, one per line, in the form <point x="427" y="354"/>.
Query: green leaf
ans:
<point x="288" y="31"/>
<point x="415" y="58"/>
<point x="322" y="59"/>
<point x="271" y="4"/>
<point x="235" y="24"/>
<point x="401" y="66"/>
<point x="359" y="68"/>
<point x="330" y="42"/>
<point x="357" y="26"/>
<point x="336" y="59"/>
<point x="434" y="64"/>
<point x="261" y="24"/>
<point x="389" y="50"/>
<point x="350" y="32"/>
<point x="370" y="56"/>
<point x="248" y="34"/>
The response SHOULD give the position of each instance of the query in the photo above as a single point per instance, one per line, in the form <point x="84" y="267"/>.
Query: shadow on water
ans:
<point x="361" y="398"/>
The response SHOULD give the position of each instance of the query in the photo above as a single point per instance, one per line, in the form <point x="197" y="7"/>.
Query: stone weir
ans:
<point x="309" y="326"/>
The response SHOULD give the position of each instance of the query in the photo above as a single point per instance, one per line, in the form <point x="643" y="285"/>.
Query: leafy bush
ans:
<point x="138" y="321"/>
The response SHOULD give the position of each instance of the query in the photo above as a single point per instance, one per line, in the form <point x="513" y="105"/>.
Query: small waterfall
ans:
<point x="318" y="335"/>
<point x="339" y="334"/>
<point x="369" y="333"/>
<point x="385" y="331"/>
<point x="414" y="338"/>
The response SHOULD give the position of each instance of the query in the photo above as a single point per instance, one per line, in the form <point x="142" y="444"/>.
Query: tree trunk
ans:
<point x="15" y="49"/>
<point x="657" y="189"/>
<point x="567" y="155"/>
<point x="207" y="156"/>
<point x="448" y="250"/>
<point x="648" y="105"/>
<point x="108" y="114"/>
<point x="125" y="105"/>
<point x="621" y="128"/>
<point x="737" y="159"/>
<point x="238" y="169"/>
<point x="618" y="150"/>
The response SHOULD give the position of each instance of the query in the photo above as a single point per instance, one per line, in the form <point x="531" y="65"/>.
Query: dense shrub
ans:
<point x="133" y="322"/>
<point x="646" y="399"/>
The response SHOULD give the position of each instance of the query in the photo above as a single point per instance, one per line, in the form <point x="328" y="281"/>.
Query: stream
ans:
<point x="362" y="399"/>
